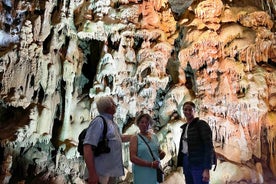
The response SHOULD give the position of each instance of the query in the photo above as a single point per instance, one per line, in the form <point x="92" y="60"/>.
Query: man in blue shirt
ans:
<point x="106" y="165"/>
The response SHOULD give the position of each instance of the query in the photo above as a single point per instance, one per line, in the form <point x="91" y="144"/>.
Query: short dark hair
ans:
<point x="190" y="103"/>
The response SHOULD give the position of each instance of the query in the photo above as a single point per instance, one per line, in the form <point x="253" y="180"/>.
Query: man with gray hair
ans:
<point x="107" y="165"/>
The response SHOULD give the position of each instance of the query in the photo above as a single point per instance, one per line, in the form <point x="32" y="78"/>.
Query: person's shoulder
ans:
<point x="152" y="134"/>
<point x="199" y="121"/>
<point x="98" y="121"/>
<point x="184" y="125"/>
<point x="106" y="116"/>
<point x="203" y="123"/>
<point x="101" y="117"/>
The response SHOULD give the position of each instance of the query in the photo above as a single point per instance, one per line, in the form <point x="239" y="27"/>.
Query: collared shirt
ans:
<point x="109" y="164"/>
<point x="184" y="141"/>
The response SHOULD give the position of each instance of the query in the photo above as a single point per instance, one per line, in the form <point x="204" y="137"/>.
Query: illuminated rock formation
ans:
<point x="58" y="57"/>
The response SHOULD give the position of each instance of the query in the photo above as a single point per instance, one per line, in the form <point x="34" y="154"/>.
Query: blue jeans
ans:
<point x="193" y="174"/>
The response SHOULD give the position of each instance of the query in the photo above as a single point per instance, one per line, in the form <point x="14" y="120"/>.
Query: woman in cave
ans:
<point x="144" y="165"/>
<point x="196" y="147"/>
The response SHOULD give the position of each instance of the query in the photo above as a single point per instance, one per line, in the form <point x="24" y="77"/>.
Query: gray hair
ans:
<point x="104" y="103"/>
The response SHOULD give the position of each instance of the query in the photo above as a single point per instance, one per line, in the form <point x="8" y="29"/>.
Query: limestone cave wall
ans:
<point x="57" y="57"/>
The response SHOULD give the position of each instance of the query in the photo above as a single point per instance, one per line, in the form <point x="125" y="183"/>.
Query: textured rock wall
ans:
<point x="58" y="57"/>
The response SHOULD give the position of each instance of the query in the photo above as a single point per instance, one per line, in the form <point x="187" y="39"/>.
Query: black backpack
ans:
<point x="102" y="145"/>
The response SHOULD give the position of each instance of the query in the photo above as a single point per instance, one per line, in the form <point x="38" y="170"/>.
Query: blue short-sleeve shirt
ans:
<point x="109" y="164"/>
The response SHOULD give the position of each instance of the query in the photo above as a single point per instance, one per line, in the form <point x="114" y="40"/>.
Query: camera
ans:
<point x="101" y="148"/>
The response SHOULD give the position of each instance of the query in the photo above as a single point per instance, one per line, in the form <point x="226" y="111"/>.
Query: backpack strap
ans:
<point x="105" y="126"/>
<point x="147" y="146"/>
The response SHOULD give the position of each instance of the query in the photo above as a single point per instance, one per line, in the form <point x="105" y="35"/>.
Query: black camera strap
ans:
<point x="147" y="146"/>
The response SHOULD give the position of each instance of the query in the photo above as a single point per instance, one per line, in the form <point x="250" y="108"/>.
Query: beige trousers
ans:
<point x="103" y="179"/>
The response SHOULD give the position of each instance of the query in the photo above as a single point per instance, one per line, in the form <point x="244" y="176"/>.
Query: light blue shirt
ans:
<point x="107" y="164"/>
<point x="142" y="174"/>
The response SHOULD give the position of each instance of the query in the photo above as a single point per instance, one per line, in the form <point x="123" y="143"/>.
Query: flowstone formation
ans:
<point x="59" y="57"/>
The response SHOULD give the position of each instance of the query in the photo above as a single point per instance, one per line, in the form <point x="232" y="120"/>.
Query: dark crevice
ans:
<point x="89" y="69"/>
<point x="137" y="43"/>
<point x="34" y="95"/>
<point x="47" y="43"/>
<point x="113" y="45"/>
<point x="190" y="78"/>
<point x="41" y="95"/>
<point x="55" y="133"/>
<point x="32" y="81"/>
<point x="11" y="118"/>
<point x="56" y="18"/>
